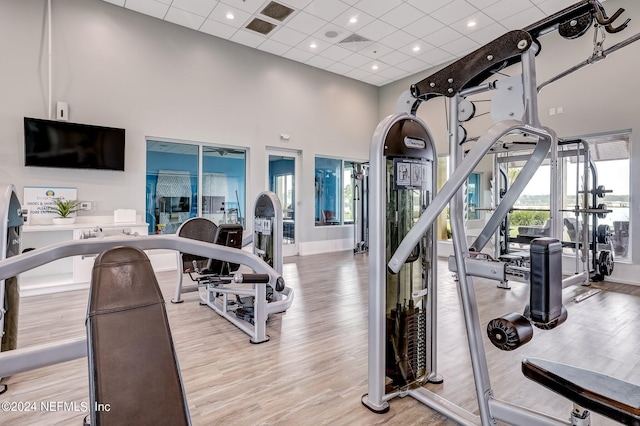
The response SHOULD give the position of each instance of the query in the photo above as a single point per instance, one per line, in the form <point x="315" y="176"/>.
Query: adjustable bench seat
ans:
<point x="606" y="395"/>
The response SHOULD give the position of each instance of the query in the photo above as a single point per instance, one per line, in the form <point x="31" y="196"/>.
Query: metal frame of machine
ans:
<point x="389" y="260"/>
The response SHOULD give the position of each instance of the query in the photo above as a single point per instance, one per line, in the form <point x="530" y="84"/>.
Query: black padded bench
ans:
<point x="606" y="395"/>
<point x="134" y="375"/>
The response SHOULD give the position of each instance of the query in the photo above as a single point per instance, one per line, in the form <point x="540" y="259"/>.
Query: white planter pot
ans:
<point x="63" y="220"/>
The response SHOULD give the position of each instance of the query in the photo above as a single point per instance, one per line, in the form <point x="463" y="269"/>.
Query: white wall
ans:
<point x="599" y="98"/>
<point x="119" y="68"/>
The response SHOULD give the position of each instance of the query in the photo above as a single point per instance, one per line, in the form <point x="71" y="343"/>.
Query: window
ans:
<point x="185" y="180"/>
<point x="473" y="196"/>
<point x="334" y="184"/>
<point x="444" y="229"/>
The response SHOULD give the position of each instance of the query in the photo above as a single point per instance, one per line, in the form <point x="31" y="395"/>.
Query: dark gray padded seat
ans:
<point x="132" y="361"/>
<point x="606" y="395"/>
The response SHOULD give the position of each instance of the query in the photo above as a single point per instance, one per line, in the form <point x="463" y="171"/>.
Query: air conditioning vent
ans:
<point x="355" y="38"/>
<point x="260" y="26"/>
<point x="277" y="11"/>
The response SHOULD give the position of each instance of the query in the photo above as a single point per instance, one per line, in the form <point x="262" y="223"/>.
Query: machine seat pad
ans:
<point x="132" y="361"/>
<point x="606" y="395"/>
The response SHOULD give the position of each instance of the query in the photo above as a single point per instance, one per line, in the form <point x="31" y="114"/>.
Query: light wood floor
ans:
<point x="314" y="369"/>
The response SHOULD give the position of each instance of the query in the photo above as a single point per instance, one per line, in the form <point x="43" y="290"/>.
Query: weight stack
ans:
<point x="545" y="297"/>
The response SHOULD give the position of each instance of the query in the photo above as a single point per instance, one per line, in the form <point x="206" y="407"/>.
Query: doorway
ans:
<point x="282" y="180"/>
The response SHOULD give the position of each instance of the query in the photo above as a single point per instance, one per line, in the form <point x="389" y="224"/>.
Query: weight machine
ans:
<point x="360" y="185"/>
<point x="591" y="244"/>
<point x="402" y="274"/>
<point x="246" y="308"/>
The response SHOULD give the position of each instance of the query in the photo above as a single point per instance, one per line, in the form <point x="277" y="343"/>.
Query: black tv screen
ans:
<point x="51" y="143"/>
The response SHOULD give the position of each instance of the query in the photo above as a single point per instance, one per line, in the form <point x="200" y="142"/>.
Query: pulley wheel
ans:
<point x="510" y="331"/>
<point x="605" y="263"/>
<point x="603" y="234"/>
<point x="466" y="110"/>
<point x="462" y="135"/>
<point x="601" y="191"/>
<point x="602" y="214"/>
<point x="556" y="322"/>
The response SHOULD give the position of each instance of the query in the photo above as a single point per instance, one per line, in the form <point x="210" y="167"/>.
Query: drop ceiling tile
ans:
<point x="306" y="23"/>
<point x="320" y="62"/>
<point x="506" y="8"/>
<point x="335" y="33"/>
<point x="423" y="26"/>
<point x="413" y="65"/>
<point x="251" y="6"/>
<point x="453" y="11"/>
<point x="287" y="36"/>
<point x="298" y="55"/>
<point x="377" y="8"/>
<point x="392" y="73"/>
<point x="184" y="18"/>
<point x="339" y="68"/>
<point x="376" y="30"/>
<point x="116" y="2"/>
<point x="295" y="4"/>
<point x="375" y="51"/>
<point x="552" y="6"/>
<point x="356" y="60"/>
<point x="394" y="57"/>
<point x="481" y="4"/>
<point x="358" y="73"/>
<point x="376" y="80"/>
<point x="148" y="7"/>
<point x="402" y="15"/>
<point x="240" y="17"/>
<point x="306" y="45"/>
<point x="351" y="2"/>
<point x="442" y="36"/>
<point x="523" y="19"/>
<point x="326" y="9"/>
<point x="363" y="19"/>
<point x="274" y="47"/>
<point x="199" y="7"/>
<point x="490" y="33"/>
<point x="248" y="38"/>
<point x="428" y="6"/>
<point x="217" y="29"/>
<point x="421" y="45"/>
<point x="480" y="19"/>
<point x="397" y="39"/>
<point x="436" y="56"/>
<point x="460" y="46"/>
<point x="335" y="53"/>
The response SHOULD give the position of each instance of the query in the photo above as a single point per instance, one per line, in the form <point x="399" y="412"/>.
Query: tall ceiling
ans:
<point x="374" y="41"/>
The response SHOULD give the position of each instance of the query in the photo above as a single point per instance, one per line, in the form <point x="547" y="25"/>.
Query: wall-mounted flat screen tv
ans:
<point x="49" y="143"/>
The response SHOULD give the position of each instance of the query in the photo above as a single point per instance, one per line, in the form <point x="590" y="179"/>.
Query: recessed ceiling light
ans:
<point x="353" y="19"/>
<point x="374" y="67"/>
<point x="313" y="45"/>
<point x="230" y="15"/>
<point x="416" y="48"/>
<point x="471" y="24"/>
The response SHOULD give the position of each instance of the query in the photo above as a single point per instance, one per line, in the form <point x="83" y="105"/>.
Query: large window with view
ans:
<point x="335" y="191"/>
<point x="186" y="180"/>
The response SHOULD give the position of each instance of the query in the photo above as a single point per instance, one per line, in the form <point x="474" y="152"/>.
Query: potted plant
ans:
<point x="63" y="208"/>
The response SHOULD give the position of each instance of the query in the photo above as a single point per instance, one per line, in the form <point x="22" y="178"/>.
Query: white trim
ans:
<point x="326" y="246"/>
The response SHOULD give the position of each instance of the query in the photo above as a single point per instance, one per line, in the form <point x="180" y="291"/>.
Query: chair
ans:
<point x="134" y="375"/>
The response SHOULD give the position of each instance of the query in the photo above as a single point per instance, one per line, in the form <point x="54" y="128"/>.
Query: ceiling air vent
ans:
<point x="277" y="11"/>
<point x="355" y="38"/>
<point x="355" y="42"/>
<point x="260" y="26"/>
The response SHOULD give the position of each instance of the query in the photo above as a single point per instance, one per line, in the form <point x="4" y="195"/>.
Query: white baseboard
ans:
<point x="326" y="246"/>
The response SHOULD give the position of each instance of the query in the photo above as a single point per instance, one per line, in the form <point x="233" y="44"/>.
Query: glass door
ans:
<point x="282" y="182"/>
